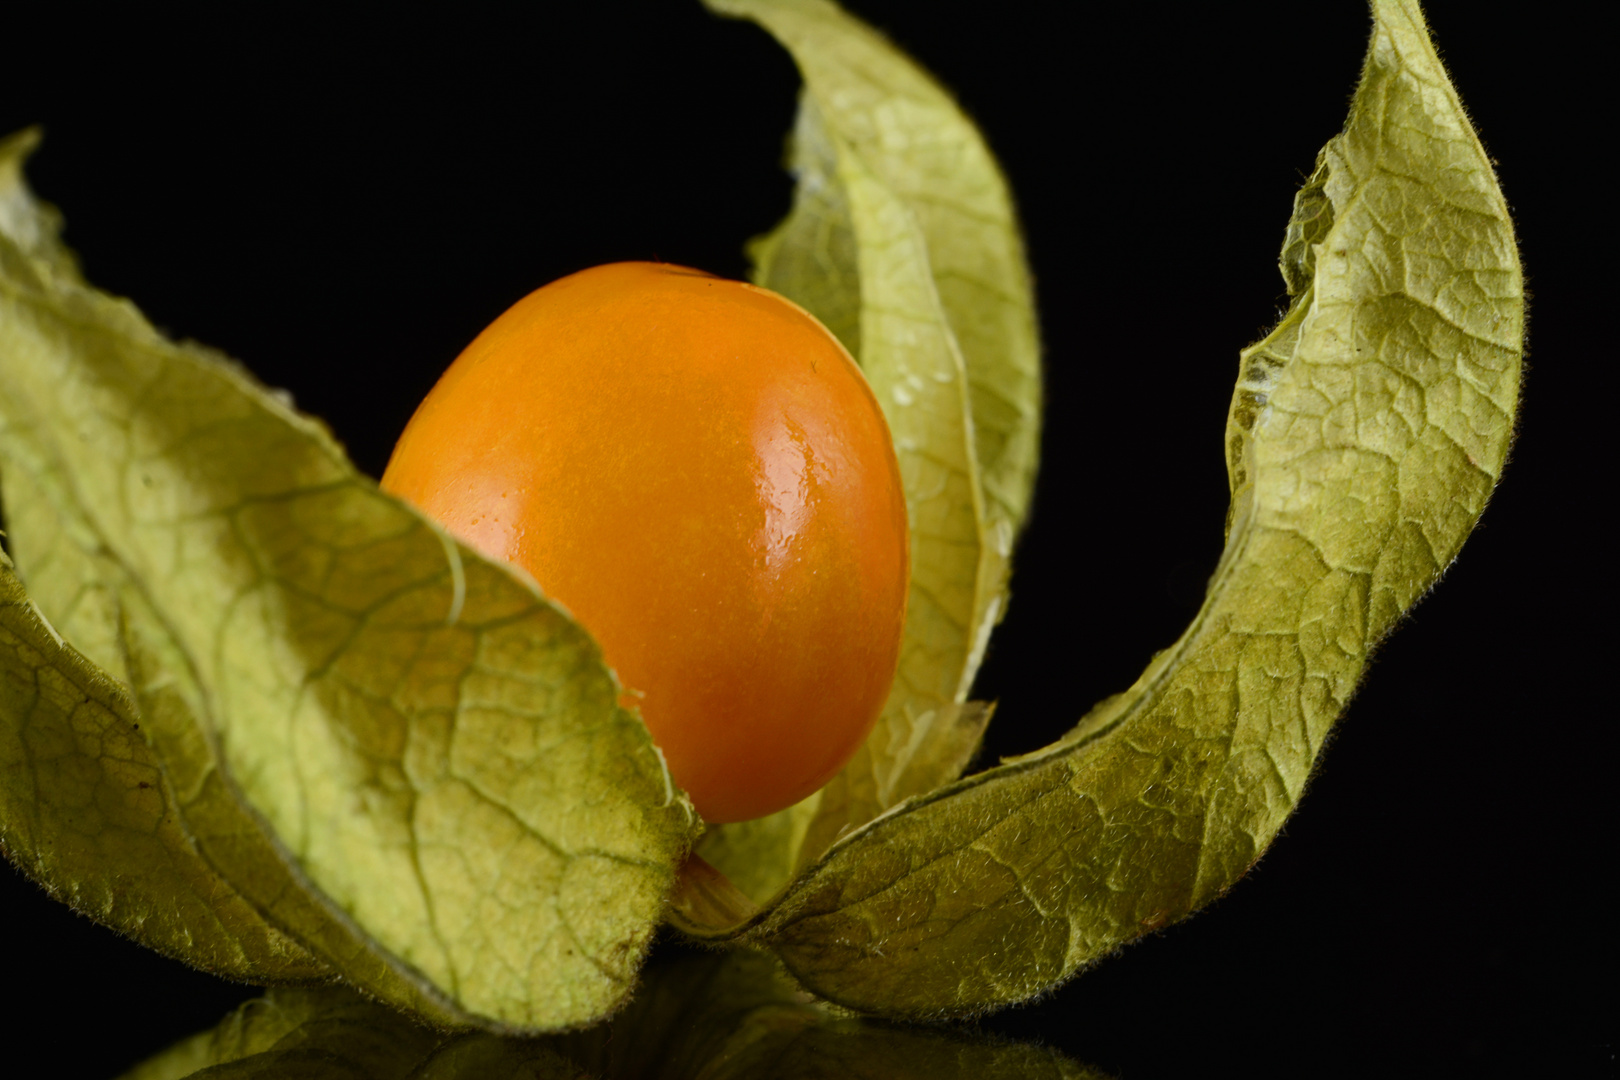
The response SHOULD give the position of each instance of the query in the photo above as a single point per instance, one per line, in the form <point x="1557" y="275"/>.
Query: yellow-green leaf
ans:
<point x="99" y="608"/>
<point x="34" y="226"/>
<point x="87" y="810"/>
<point x="397" y="753"/>
<point x="902" y="240"/>
<point x="1365" y="436"/>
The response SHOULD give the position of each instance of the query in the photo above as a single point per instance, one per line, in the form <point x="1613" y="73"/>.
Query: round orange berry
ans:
<point x="697" y="470"/>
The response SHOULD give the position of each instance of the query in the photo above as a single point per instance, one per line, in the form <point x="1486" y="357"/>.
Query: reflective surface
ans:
<point x="720" y="1016"/>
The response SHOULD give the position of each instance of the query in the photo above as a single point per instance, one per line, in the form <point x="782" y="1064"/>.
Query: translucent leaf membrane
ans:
<point x="88" y="811"/>
<point x="367" y="752"/>
<point x="721" y="1017"/>
<point x="902" y="239"/>
<point x="1364" y="437"/>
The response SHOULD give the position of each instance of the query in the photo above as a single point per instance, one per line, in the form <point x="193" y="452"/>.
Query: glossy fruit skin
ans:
<point x="698" y="471"/>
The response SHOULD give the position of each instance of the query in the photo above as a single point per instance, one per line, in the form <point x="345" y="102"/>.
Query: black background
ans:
<point x="343" y="201"/>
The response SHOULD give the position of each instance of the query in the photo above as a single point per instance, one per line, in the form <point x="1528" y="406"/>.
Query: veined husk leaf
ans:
<point x="101" y="610"/>
<point x="1365" y="435"/>
<point x="717" y="1016"/>
<point x="391" y="760"/>
<point x="87" y="810"/>
<point x="902" y="239"/>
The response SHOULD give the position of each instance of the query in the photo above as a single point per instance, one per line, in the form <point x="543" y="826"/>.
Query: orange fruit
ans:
<point x="697" y="470"/>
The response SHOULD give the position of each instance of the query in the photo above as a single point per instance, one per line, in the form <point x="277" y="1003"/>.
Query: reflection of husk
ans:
<point x="718" y="1016"/>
